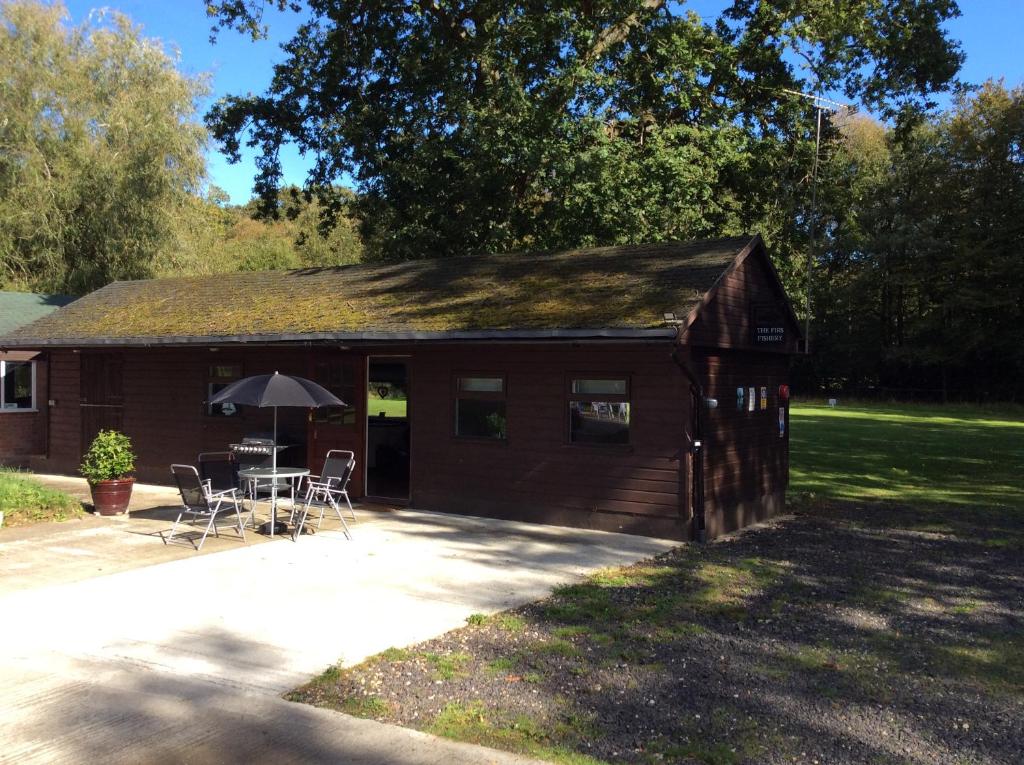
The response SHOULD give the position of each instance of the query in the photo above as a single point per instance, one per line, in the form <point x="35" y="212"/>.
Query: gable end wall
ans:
<point x="725" y="321"/>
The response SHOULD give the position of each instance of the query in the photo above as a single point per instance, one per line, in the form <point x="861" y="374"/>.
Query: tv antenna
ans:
<point x="821" y="104"/>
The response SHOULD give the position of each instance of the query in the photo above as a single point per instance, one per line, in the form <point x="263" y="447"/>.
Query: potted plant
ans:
<point x="107" y="466"/>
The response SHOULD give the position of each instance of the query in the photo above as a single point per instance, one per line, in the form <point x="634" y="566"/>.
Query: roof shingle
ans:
<point x="622" y="287"/>
<point x="20" y="308"/>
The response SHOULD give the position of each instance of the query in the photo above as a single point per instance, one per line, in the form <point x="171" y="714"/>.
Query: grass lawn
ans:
<point x="882" y="623"/>
<point x="24" y="501"/>
<point x="923" y="454"/>
<point x="391" y="407"/>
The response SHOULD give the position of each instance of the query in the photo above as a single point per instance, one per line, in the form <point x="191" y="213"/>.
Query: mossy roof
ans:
<point x="603" y="288"/>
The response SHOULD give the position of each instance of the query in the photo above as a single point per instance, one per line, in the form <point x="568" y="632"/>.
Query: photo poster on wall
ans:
<point x="752" y="400"/>
<point x="740" y="399"/>
<point x="764" y="397"/>
<point x="782" y="421"/>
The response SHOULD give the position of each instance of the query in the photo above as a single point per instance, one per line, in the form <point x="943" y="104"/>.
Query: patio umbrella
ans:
<point x="276" y="390"/>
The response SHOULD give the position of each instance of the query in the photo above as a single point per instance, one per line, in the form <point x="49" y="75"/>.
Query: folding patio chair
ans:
<point x="220" y="470"/>
<point x="199" y="500"/>
<point x="326" y="489"/>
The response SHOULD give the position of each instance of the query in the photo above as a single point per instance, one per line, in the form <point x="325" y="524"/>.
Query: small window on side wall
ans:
<point x="219" y="376"/>
<point x="480" y="407"/>
<point x="599" y="410"/>
<point x="17" y="391"/>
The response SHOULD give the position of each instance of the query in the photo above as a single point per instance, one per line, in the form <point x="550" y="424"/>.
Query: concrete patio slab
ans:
<point x="186" y="659"/>
<point x="57" y="553"/>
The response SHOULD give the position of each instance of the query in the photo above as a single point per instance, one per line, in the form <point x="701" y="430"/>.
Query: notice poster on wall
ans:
<point x="764" y="398"/>
<point x="740" y="398"/>
<point x="752" y="400"/>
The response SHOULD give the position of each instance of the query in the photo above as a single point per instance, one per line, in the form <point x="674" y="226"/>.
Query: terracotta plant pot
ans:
<point x="112" y="497"/>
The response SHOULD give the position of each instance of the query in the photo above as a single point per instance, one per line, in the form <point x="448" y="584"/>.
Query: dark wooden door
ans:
<point x="102" y="394"/>
<point x="344" y="375"/>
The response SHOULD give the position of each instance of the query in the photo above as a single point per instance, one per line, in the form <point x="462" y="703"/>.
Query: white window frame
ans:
<point x="3" y="377"/>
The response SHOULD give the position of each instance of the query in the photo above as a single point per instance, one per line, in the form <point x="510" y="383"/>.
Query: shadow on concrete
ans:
<point x="117" y="714"/>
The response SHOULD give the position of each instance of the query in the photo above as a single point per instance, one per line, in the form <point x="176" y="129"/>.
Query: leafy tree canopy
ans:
<point x="475" y="125"/>
<point x="217" y="237"/>
<point x="922" y="280"/>
<point x="99" y="149"/>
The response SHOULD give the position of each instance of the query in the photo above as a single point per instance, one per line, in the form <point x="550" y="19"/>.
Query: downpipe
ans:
<point x="696" y="447"/>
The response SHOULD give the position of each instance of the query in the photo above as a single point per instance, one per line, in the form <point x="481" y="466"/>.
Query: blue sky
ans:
<point x="988" y="29"/>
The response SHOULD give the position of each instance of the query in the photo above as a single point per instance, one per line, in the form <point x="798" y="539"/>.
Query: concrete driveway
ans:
<point x="186" y="660"/>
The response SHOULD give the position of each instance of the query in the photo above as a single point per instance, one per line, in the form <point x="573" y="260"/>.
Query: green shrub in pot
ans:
<point x="110" y="458"/>
<point x="108" y="466"/>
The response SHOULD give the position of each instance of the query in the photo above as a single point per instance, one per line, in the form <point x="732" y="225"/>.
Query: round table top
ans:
<point x="281" y="472"/>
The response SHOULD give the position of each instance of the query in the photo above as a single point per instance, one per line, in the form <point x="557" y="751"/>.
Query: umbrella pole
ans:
<point x="273" y="480"/>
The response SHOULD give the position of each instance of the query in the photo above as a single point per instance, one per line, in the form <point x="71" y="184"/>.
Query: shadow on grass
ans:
<point x="851" y="633"/>
<point x="909" y="454"/>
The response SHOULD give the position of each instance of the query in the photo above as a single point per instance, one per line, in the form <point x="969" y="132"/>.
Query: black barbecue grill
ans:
<point x="256" y="451"/>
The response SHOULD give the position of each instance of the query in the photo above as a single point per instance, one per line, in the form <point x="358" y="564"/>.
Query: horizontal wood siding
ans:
<point x="536" y="474"/>
<point x="163" y="412"/>
<point x="746" y="461"/>
<point x="726" y="320"/>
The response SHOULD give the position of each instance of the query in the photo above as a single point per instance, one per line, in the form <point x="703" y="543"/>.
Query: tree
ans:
<point x="100" y="149"/>
<point x="971" y="329"/>
<point x="921" y="278"/>
<point x="474" y="125"/>
<point x="323" y="230"/>
<point x="214" y="236"/>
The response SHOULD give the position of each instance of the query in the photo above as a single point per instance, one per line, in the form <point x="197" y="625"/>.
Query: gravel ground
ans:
<point x="848" y="633"/>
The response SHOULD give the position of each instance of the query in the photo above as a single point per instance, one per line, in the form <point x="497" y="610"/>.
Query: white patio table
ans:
<point x="258" y="475"/>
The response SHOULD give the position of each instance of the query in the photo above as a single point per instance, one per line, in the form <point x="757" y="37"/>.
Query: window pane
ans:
<point x="18" y="385"/>
<point x="480" y="418"/>
<point x="599" y="387"/>
<point x="220" y="410"/>
<point x="388" y="400"/>
<point x="482" y="384"/>
<point x="598" y="422"/>
<point x="340" y="379"/>
<point x="225" y="372"/>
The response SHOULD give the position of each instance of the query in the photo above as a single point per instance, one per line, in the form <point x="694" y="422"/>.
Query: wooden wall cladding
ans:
<point x="535" y="474"/>
<point x="747" y="459"/>
<point x="727" y="320"/>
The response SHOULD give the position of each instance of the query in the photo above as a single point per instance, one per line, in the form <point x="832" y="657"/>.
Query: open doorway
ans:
<point x="387" y="429"/>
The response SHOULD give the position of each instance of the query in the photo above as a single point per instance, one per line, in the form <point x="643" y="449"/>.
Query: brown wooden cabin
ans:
<point x="566" y="388"/>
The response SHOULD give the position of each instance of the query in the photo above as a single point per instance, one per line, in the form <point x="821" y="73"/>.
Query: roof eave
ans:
<point x="579" y="335"/>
